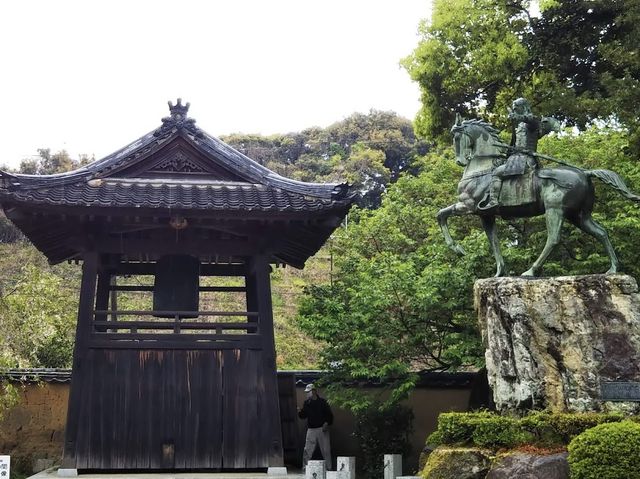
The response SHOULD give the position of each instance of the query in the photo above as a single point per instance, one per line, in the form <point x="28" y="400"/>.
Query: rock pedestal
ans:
<point x="566" y="344"/>
<point x="530" y="466"/>
<point x="457" y="463"/>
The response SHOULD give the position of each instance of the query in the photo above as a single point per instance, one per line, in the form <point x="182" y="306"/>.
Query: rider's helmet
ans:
<point x="521" y="106"/>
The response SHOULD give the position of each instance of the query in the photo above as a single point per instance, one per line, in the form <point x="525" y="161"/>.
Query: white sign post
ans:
<point x="5" y="467"/>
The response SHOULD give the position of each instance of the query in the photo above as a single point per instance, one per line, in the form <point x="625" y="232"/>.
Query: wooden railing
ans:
<point x="180" y="331"/>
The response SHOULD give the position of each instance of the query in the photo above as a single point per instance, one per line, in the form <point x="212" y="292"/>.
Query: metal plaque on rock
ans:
<point x="621" y="391"/>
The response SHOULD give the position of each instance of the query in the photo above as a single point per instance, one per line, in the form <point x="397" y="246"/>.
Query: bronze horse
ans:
<point x="558" y="193"/>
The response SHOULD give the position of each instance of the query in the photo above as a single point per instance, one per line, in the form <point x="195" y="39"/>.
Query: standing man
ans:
<point x="319" y="417"/>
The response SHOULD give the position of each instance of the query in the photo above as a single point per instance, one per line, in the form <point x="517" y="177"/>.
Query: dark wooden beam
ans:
<point x="249" y="343"/>
<point x="80" y="372"/>
<point x="83" y="212"/>
<point x="157" y="246"/>
<point x="219" y="289"/>
<point x="102" y="294"/>
<point x="205" y="269"/>
<point x="117" y="325"/>
<point x="260" y="273"/>
<point x="182" y="338"/>
<point x="176" y="313"/>
<point x="114" y="297"/>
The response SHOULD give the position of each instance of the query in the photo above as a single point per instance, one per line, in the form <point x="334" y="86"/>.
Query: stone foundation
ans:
<point x="552" y="343"/>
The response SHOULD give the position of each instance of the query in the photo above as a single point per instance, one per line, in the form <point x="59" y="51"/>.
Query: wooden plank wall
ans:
<point x="174" y="409"/>
<point x="292" y="442"/>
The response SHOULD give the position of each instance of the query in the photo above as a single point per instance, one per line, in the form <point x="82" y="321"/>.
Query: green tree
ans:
<point x="578" y="61"/>
<point x="400" y="302"/>
<point x="470" y="57"/>
<point x="49" y="163"/>
<point x="370" y="150"/>
<point x="365" y="170"/>
<point x="8" y="231"/>
<point x="37" y="316"/>
<point x="384" y="131"/>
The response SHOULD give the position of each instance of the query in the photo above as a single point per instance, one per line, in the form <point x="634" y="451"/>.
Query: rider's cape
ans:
<point x="517" y="164"/>
<point x="518" y="161"/>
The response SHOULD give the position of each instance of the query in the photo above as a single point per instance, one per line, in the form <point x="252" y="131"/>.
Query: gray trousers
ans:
<point x="316" y="436"/>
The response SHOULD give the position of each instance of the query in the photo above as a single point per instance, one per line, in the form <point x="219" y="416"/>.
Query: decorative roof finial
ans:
<point x="179" y="111"/>
<point x="178" y="121"/>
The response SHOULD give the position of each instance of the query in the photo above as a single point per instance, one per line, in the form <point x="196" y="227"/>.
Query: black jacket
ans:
<point x="317" y="412"/>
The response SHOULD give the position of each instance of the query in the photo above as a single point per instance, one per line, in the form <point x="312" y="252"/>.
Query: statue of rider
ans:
<point x="527" y="130"/>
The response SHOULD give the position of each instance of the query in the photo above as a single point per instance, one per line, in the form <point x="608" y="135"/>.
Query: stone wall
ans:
<point x="34" y="429"/>
<point x="555" y="342"/>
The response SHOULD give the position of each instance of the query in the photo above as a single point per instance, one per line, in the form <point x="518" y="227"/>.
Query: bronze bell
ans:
<point x="177" y="285"/>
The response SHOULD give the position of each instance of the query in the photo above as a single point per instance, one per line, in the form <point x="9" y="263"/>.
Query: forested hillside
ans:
<point x="367" y="150"/>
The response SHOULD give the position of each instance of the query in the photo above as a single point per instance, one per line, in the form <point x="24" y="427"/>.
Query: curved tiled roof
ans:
<point x="149" y="193"/>
<point x="262" y="189"/>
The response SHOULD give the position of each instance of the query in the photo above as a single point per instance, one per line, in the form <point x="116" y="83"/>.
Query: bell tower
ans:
<point x="174" y="382"/>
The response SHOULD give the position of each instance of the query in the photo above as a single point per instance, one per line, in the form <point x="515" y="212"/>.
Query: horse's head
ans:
<point x="474" y="139"/>
<point x="463" y="142"/>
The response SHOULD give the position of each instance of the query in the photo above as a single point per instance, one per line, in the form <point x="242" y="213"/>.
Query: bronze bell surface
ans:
<point x="177" y="285"/>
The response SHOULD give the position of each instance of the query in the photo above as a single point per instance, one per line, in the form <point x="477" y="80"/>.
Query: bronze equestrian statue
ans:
<point x="505" y="180"/>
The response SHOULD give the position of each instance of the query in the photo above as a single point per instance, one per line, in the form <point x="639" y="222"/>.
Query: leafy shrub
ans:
<point x="9" y="233"/>
<point x="435" y="439"/>
<point x="9" y="397"/>
<point x="487" y="429"/>
<point x="607" y="451"/>
<point x="381" y="431"/>
<point x="560" y="428"/>
<point x="483" y="429"/>
<point x="498" y="431"/>
<point x="458" y="428"/>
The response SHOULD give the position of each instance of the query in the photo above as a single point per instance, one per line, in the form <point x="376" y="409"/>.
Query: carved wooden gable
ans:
<point x="177" y="163"/>
<point x="179" y="159"/>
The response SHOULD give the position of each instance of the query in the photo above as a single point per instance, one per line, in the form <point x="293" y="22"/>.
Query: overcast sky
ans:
<point x="91" y="76"/>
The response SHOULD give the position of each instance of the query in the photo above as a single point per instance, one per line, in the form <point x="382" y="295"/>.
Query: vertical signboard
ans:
<point x="5" y="466"/>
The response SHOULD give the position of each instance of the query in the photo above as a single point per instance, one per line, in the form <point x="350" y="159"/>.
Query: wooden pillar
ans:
<point x="251" y="295"/>
<point x="260" y="273"/>
<point x="102" y="296"/>
<point x="78" y="376"/>
<point x="114" y="297"/>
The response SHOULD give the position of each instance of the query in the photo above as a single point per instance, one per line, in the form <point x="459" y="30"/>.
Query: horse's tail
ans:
<point x="612" y="179"/>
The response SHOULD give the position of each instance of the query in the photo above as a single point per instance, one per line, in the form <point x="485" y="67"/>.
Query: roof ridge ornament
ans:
<point x="179" y="111"/>
<point x="178" y="121"/>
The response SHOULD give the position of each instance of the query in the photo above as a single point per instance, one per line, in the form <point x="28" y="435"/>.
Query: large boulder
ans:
<point x="554" y="343"/>
<point x="530" y="466"/>
<point x="457" y="463"/>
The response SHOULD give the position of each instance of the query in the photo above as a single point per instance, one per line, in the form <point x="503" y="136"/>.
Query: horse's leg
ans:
<point x="443" y="215"/>
<point x="489" y="225"/>
<point x="554" y="217"/>
<point x="590" y="226"/>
